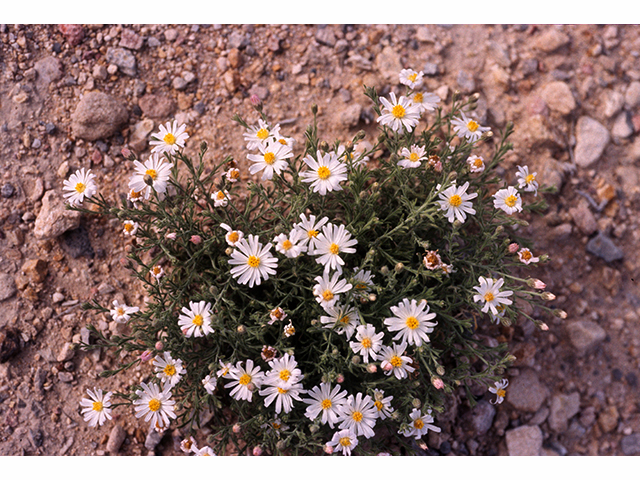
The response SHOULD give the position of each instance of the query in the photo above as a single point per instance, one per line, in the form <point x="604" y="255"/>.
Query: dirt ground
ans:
<point x="573" y="93"/>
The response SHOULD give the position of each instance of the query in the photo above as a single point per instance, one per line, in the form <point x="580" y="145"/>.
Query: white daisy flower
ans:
<point x="154" y="404"/>
<point x="455" y="202"/>
<point x="130" y="228"/>
<point x="157" y="272"/>
<point x="327" y="291"/>
<point x="467" y="128"/>
<point x="526" y="180"/>
<point x="411" y="320"/>
<point x="489" y="293"/>
<point x="233" y="236"/>
<point x="413" y="157"/>
<point x="277" y="314"/>
<point x="205" y="451"/>
<point x="170" y="138"/>
<point x="311" y="229"/>
<point x="508" y="199"/>
<point x="382" y="404"/>
<point x="210" y="383"/>
<point x="410" y="77"/>
<point x="497" y="318"/>
<point x="121" y="313"/>
<point x="289" y="330"/>
<point x="476" y="164"/>
<point x="359" y="415"/>
<point x="526" y="257"/>
<point x="195" y="321"/>
<point x="355" y="157"/>
<point x="432" y="260"/>
<point x="225" y="368"/>
<point x="499" y="390"/>
<point x="344" y="441"/>
<point x="326" y="401"/>
<point x="282" y="140"/>
<point x="399" y="113"/>
<point x="268" y="353"/>
<point x="325" y="173"/>
<point x="368" y="342"/>
<point x="362" y="282"/>
<point x="220" y="198"/>
<point x="187" y="443"/>
<point x="276" y="425"/>
<point x="168" y="369"/>
<point x="271" y="159"/>
<point x="254" y="261"/>
<point x="291" y="245"/>
<point x="153" y="175"/>
<point x="232" y="175"/>
<point x="244" y="380"/>
<point x="283" y="395"/>
<point x="79" y="186"/>
<point x="333" y="241"/>
<point x="259" y="135"/>
<point x="419" y="425"/>
<point x="134" y="197"/>
<point x="283" y="372"/>
<point x="96" y="411"/>
<point x="394" y="361"/>
<point x="425" y="102"/>
<point x="341" y="319"/>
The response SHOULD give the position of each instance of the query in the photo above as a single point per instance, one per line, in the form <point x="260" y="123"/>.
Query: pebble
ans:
<point x="100" y="72"/>
<point x="170" y="34"/>
<point x="57" y="297"/>
<point x="602" y="246"/>
<point x="65" y="377"/>
<point x="7" y="286"/>
<point x="76" y="243"/>
<point x="188" y="76"/>
<point x="591" y="139"/>
<point x="526" y="393"/>
<point x="622" y="127"/>
<point x="50" y="128"/>
<point x="613" y="103"/>
<point x="54" y="219"/>
<point x="73" y="33"/>
<point x="139" y="135"/>
<point x="98" y="115"/>
<point x="116" y="438"/>
<point x="583" y="218"/>
<point x="130" y="39"/>
<point x="153" y="438"/>
<point x="585" y="335"/>
<point x="524" y="441"/>
<point x="551" y="40"/>
<point x="558" y="97"/>
<point x="608" y="419"/>
<point x="157" y="106"/>
<point x="36" y="270"/>
<point x="562" y="409"/>
<point x="7" y="190"/>
<point x="630" y="444"/>
<point x="632" y="95"/>
<point x="466" y="82"/>
<point x="325" y="36"/>
<point x="49" y="70"/>
<point x="66" y="353"/>
<point x="179" y="83"/>
<point x="529" y="66"/>
<point x="124" y="59"/>
<point x="237" y="39"/>
<point x="153" y="42"/>
<point x="387" y="62"/>
<point x="480" y="418"/>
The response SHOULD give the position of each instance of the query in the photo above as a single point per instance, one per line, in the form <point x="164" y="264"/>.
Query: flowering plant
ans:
<point x="334" y="303"/>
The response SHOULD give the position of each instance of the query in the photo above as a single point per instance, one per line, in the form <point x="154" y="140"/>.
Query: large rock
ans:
<point x="558" y="97"/>
<point x="585" y="335"/>
<point x="97" y="116"/>
<point x="388" y="64"/>
<point x="54" y="219"/>
<point x="526" y="393"/>
<point x="124" y="59"/>
<point x="7" y="286"/>
<point x="524" y="441"/>
<point x="157" y="106"/>
<point x="591" y="139"/>
<point x="563" y="408"/>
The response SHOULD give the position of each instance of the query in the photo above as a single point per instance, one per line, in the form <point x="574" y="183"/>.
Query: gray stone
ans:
<point x="613" y="103"/>
<point x="524" y="441"/>
<point x="526" y="393"/>
<point x="170" y="34"/>
<point x="563" y="408"/>
<point x="116" y="438"/>
<point x="7" y="286"/>
<point x="585" y="335"/>
<point x="583" y="218"/>
<point x="153" y="438"/>
<point x="130" y="39"/>
<point x="632" y="95"/>
<point x="98" y="116"/>
<point x="430" y="69"/>
<point x="558" y="97"/>
<point x="622" y="127"/>
<point x="179" y="83"/>
<point x="602" y="246"/>
<point x="630" y="444"/>
<point x="54" y="219"/>
<point x="237" y="39"/>
<point x="387" y="62"/>
<point x="49" y="70"/>
<point x="480" y="418"/>
<point x="188" y="76"/>
<point x="591" y="139"/>
<point x="153" y="42"/>
<point x="466" y="82"/>
<point x="65" y="377"/>
<point x="124" y="59"/>
<point x="157" y="106"/>
<point x="500" y="54"/>
<point x="325" y="36"/>
<point x="350" y="116"/>
<point x="551" y="40"/>
<point x="139" y="135"/>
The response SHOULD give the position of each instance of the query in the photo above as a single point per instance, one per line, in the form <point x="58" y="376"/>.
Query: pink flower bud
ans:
<point x="257" y="451"/>
<point x="539" y="284"/>
<point x="372" y="368"/>
<point x="159" y="346"/>
<point x="438" y="166"/>
<point x="388" y="367"/>
<point x="544" y="327"/>
<point x="513" y="247"/>
<point x="237" y="428"/>
<point x="171" y="236"/>
<point x="437" y="382"/>
<point x="125" y="152"/>
<point x="146" y="355"/>
<point x="255" y="100"/>
<point x="196" y="239"/>
<point x="328" y="449"/>
<point x="340" y="378"/>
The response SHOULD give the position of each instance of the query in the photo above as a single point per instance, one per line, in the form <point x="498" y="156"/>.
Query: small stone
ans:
<point x="170" y="34"/>
<point x="153" y="438"/>
<point x="526" y="393"/>
<point x="274" y="44"/>
<point x="139" y="135"/>
<point x="100" y="72"/>
<point x="179" y="83"/>
<point x="632" y="95"/>
<point x="350" y="116"/>
<point x="66" y="353"/>
<point x="558" y="97"/>
<point x="585" y="335"/>
<point x="630" y="444"/>
<point x="608" y="419"/>
<point x="562" y="409"/>
<point x="235" y="58"/>
<point x="524" y="441"/>
<point x="49" y="70"/>
<point x="7" y="190"/>
<point x="116" y="438"/>
<point x="50" y="128"/>
<point x="153" y="42"/>
<point x="602" y="246"/>
<point x="156" y="105"/>
<point x="480" y="418"/>
<point x="37" y="143"/>
<point x="325" y="36"/>
<point x="430" y="69"/>
<point x="98" y="116"/>
<point x="7" y="286"/>
<point x="466" y="82"/>
<point x="583" y="218"/>
<point x="65" y="377"/>
<point x="36" y="270"/>
<point x="123" y="59"/>
<point x="260" y="91"/>
<point x="529" y="66"/>
<point x="622" y="127"/>
<point x="551" y="40"/>
<point x="104" y="288"/>
<point x="54" y="219"/>
<point x="188" y="76"/>
<point x="72" y="33"/>
<point x="387" y="62"/>
<point x="591" y="139"/>
<point x="57" y="297"/>
<point x="238" y="39"/>
<point x="131" y="40"/>
<point x="613" y="103"/>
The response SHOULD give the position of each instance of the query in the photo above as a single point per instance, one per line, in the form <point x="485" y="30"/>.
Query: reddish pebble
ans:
<point x="72" y="32"/>
<point x="96" y="156"/>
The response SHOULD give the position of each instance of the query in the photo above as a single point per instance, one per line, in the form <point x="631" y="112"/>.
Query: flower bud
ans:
<point x="196" y="239"/>
<point x="511" y="358"/>
<point x="399" y="267"/>
<point x="146" y="356"/>
<point x="457" y="224"/>
<point x="281" y="445"/>
<point x="241" y="329"/>
<point x="539" y="284"/>
<point x="544" y="327"/>
<point x="159" y="346"/>
<point x="544" y="258"/>
<point x="372" y="368"/>
<point x="237" y="428"/>
<point x="324" y="146"/>
<point x="148" y="179"/>
<point x="171" y="236"/>
<point x="328" y="449"/>
<point x="452" y="175"/>
<point x="229" y="251"/>
<point x="548" y="296"/>
<point x="372" y="297"/>
<point x="384" y="270"/>
<point x="437" y="166"/>
<point x="388" y="367"/>
<point x="475" y="96"/>
<point x="437" y="383"/>
<point x="125" y="152"/>
<point x="257" y="450"/>
<point x="255" y="100"/>
<point x="356" y="359"/>
<point x="513" y="247"/>
<point x="340" y="378"/>
<point x="440" y="370"/>
<point x="313" y="428"/>
<point x="416" y="403"/>
<point x="314" y="109"/>
<point x="560" y="313"/>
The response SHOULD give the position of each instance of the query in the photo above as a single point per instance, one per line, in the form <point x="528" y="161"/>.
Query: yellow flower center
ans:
<point x="455" y="200"/>
<point x="472" y="126"/>
<point x="526" y="255"/>
<point x="262" y="133"/>
<point x="379" y="405"/>
<point x="97" y="406"/>
<point x="398" y="111"/>
<point x="282" y="391"/>
<point x="357" y="416"/>
<point x="312" y="233"/>
<point x="477" y="162"/>
<point x="169" y="370"/>
<point x="432" y="259"/>
<point x="154" y="404"/>
<point x="501" y="392"/>
<point x="327" y="295"/>
<point x="287" y="244"/>
<point x="284" y="375"/>
<point x="197" y="320"/>
<point x="233" y="237"/>
<point x="366" y="343"/>
<point x="135" y="195"/>
<point x="418" y="424"/>
<point x="269" y="158"/>
<point x="128" y="227"/>
<point x="412" y="323"/>
<point x="417" y="98"/>
<point x="169" y="139"/>
<point x="396" y="361"/>
<point x="253" y="261"/>
<point x="245" y="379"/>
<point x="80" y="187"/>
<point x="283" y="141"/>
<point x="414" y="157"/>
<point x="530" y="178"/>
<point x="488" y="297"/>
<point x="152" y="173"/>
<point x="334" y="248"/>
<point x="345" y="319"/>
<point x="290" y="330"/>
<point x="120" y="311"/>
<point x="326" y="403"/>
<point x="345" y="441"/>
<point x="157" y="270"/>
<point x="234" y="174"/>
<point x="324" y="173"/>
<point x="220" y="195"/>
<point x="510" y="201"/>
<point x="413" y="77"/>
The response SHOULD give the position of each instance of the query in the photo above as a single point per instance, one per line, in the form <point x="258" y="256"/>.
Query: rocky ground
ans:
<point x="73" y="96"/>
